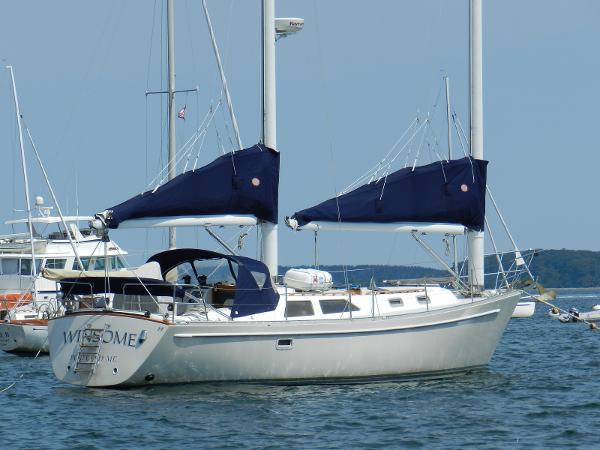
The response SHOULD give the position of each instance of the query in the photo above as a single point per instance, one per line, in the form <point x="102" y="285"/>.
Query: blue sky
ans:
<point x="348" y="86"/>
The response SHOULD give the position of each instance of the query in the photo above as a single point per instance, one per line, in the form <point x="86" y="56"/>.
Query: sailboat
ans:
<point x="51" y="242"/>
<point x="213" y="316"/>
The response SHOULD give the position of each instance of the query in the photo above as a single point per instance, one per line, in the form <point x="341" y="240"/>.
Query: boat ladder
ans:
<point x="89" y="350"/>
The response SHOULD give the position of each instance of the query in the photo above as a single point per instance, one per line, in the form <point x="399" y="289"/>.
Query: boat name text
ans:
<point x="92" y="336"/>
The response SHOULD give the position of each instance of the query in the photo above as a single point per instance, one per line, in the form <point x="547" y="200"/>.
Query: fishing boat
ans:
<point x="43" y="241"/>
<point x="209" y="316"/>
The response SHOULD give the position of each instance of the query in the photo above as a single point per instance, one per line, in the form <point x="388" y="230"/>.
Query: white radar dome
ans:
<point x="287" y="26"/>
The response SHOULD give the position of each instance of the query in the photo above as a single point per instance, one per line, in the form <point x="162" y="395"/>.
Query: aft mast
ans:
<point x="476" y="238"/>
<point x="269" y="132"/>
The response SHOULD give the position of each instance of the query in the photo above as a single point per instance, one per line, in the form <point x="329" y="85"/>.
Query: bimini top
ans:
<point x="254" y="292"/>
<point x="242" y="182"/>
<point x="447" y="192"/>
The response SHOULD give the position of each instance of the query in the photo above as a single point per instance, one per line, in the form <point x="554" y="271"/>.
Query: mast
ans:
<point x="171" y="71"/>
<point x="25" y="177"/>
<point x="269" y="136"/>
<point x="476" y="238"/>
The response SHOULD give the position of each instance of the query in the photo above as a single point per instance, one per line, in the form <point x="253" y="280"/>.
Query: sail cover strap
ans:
<point x="450" y="192"/>
<point x="242" y="182"/>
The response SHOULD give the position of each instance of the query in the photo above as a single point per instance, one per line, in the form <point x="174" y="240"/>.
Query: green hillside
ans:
<point x="567" y="268"/>
<point x="553" y="268"/>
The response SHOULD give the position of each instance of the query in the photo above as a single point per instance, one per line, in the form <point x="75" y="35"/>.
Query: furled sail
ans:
<point x="447" y="192"/>
<point x="244" y="182"/>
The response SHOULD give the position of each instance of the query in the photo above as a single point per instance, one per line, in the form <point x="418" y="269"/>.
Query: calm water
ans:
<point x="542" y="390"/>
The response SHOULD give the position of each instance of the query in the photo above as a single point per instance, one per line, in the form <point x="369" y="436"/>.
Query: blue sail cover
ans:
<point x="254" y="292"/>
<point x="243" y="182"/>
<point x="450" y="192"/>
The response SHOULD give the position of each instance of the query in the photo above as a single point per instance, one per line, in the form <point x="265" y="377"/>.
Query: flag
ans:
<point x="181" y="113"/>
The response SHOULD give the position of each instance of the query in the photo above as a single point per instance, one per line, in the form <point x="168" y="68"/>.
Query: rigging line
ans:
<point x="389" y="164"/>
<point x="419" y="149"/>
<point x="20" y="377"/>
<point x="468" y="145"/>
<point x="162" y="57"/>
<point x="184" y="150"/>
<point x="200" y="147"/>
<point x="326" y="109"/>
<point x="195" y="58"/>
<point x="506" y="229"/>
<point x="151" y="46"/>
<point x="88" y="69"/>
<point x="132" y="271"/>
<point x="377" y="167"/>
<point x="431" y="148"/>
<point x="188" y="154"/>
<point x="220" y="142"/>
<point x="68" y="230"/>
<point x="498" y="258"/>
<point x="461" y="131"/>
<point x="460" y="138"/>
<point x="423" y="124"/>
<point x="223" y="78"/>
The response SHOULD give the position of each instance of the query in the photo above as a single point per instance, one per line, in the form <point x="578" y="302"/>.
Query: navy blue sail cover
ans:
<point x="254" y="292"/>
<point x="442" y="192"/>
<point x="243" y="182"/>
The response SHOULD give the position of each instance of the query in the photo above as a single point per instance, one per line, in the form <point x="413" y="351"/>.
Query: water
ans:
<point x="540" y="391"/>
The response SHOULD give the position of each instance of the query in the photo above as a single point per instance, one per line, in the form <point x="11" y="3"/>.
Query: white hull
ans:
<point x="524" y="310"/>
<point x="138" y="351"/>
<point x="24" y="337"/>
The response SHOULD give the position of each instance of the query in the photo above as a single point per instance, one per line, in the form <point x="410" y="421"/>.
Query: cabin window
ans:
<point x="53" y="263"/>
<point x="10" y="266"/>
<point x="25" y="267"/>
<point x="210" y="272"/>
<point x="337" y="306"/>
<point x="260" y="278"/>
<point x="396" y="302"/>
<point x="299" y="309"/>
<point x="84" y="261"/>
<point x="100" y="263"/>
<point x="117" y="263"/>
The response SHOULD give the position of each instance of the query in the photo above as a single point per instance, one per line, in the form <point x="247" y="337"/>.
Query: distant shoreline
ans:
<point x="574" y="289"/>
